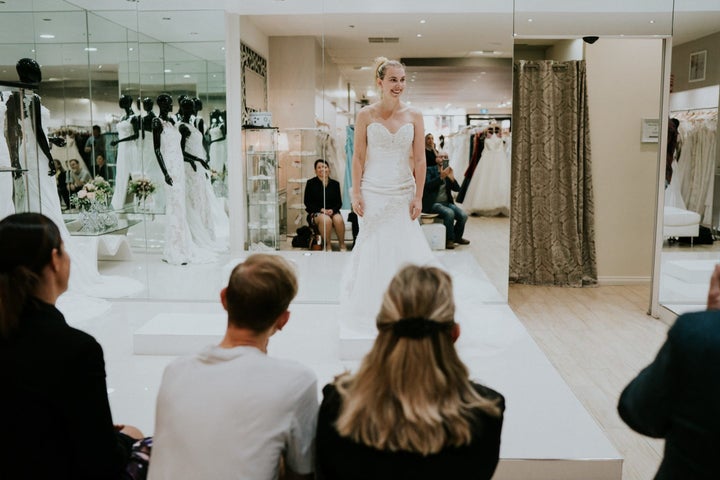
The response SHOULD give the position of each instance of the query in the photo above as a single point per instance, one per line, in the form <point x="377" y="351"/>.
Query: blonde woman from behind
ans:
<point x="411" y="410"/>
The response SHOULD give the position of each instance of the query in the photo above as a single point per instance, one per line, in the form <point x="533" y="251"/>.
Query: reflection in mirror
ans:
<point x="691" y="205"/>
<point x="460" y="80"/>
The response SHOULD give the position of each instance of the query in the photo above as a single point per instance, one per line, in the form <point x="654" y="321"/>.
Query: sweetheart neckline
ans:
<point x="388" y="130"/>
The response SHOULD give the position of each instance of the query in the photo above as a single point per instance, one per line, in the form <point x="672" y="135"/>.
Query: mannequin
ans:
<point x="198" y="121"/>
<point x="42" y="188"/>
<point x="200" y="199"/>
<point x="7" y="205"/>
<point x="218" y="145"/>
<point x="179" y="247"/>
<point x="150" y="166"/>
<point x="128" y="163"/>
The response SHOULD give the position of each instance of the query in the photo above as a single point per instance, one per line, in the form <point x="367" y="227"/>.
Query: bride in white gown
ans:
<point x="388" y="173"/>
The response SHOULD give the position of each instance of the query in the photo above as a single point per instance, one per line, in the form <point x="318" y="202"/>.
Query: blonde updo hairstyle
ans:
<point x="381" y="64"/>
<point x="412" y="392"/>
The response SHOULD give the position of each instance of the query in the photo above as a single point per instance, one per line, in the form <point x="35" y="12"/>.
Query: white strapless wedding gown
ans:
<point x="489" y="190"/>
<point x="388" y="237"/>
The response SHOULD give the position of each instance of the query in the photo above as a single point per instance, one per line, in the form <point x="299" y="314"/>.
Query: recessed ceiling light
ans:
<point x="423" y="21"/>
<point x="131" y="49"/>
<point x="99" y="67"/>
<point x="530" y="19"/>
<point x="33" y="50"/>
<point x="167" y="70"/>
<point x="652" y="21"/>
<point x="479" y="105"/>
<point x="419" y="35"/>
<point x="90" y="49"/>
<point x="47" y="35"/>
<point x="186" y="76"/>
<point x="222" y="48"/>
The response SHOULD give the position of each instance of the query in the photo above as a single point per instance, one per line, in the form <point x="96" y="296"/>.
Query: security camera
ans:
<point x="590" y="39"/>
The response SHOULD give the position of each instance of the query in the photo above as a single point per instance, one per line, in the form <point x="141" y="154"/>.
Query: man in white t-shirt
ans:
<point x="231" y="411"/>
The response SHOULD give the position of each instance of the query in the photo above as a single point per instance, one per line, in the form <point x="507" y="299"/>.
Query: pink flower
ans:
<point x="82" y="194"/>
<point x="90" y="195"/>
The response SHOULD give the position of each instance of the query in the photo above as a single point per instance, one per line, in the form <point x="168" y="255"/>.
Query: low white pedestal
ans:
<point x="435" y="235"/>
<point x="179" y="333"/>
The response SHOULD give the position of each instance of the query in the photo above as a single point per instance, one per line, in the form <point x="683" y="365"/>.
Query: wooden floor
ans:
<point x="598" y="338"/>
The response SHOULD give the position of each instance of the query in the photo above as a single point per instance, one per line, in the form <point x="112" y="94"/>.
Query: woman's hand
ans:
<point x="415" y="208"/>
<point x="358" y="206"/>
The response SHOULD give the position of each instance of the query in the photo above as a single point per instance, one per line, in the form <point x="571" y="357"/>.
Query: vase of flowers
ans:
<point x="91" y="201"/>
<point x="142" y="188"/>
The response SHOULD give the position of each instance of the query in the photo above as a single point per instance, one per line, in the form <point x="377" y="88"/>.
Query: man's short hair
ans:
<point x="259" y="290"/>
<point x="320" y="160"/>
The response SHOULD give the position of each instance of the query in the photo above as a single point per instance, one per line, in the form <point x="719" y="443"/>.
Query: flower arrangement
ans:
<point x="141" y="187"/>
<point x="95" y="192"/>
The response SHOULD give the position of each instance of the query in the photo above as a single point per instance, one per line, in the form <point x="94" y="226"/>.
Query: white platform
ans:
<point x="547" y="433"/>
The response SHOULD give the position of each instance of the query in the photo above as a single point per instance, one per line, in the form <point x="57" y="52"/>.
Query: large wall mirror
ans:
<point x="687" y="245"/>
<point x="103" y="65"/>
<point x="459" y="73"/>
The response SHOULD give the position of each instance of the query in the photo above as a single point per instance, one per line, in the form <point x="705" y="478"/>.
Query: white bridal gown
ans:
<point x="489" y="189"/>
<point x="43" y="197"/>
<point x="388" y="237"/>
<point x="128" y="163"/>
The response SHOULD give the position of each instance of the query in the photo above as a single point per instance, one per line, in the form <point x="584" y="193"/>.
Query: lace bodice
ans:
<point x="194" y="143"/>
<point x="494" y="143"/>
<point x="216" y="133"/>
<point x="387" y="163"/>
<point x="125" y="129"/>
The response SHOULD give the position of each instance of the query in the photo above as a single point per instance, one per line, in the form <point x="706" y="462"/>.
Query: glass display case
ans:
<point x="263" y="225"/>
<point x="303" y="150"/>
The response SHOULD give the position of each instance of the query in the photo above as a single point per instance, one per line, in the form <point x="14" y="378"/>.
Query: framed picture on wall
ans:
<point x="698" y="63"/>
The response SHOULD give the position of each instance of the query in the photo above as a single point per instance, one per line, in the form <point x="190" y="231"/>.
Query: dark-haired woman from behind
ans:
<point x="54" y="409"/>
<point x="411" y="410"/>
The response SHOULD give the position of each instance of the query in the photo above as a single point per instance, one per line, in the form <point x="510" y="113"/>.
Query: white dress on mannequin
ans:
<point x="127" y="162"/>
<point x="151" y="168"/>
<point x="179" y="246"/>
<point x="7" y="205"/>
<point x="489" y="189"/>
<point x="388" y="237"/>
<point x="200" y="197"/>
<point x="43" y="198"/>
<point x="218" y="148"/>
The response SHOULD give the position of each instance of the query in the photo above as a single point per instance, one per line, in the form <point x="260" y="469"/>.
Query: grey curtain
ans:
<point x="552" y="235"/>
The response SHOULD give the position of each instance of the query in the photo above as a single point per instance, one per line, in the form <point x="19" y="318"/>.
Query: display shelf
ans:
<point x="303" y="150"/>
<point x="261" y="160"/>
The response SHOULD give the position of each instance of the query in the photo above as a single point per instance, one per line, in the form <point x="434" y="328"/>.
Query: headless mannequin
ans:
<point x="29" y="72"/>
<point x="187" y="109"/>
<point x="198" y="122"/>
<point x="126" y="104"/>
<point x="164" y="103"/>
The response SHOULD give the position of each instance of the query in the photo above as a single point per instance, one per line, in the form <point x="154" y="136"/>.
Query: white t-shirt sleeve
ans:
<point x="300" y="453"/>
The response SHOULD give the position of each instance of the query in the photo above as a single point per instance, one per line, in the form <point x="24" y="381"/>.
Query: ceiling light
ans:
<point x="530" y="19"/>
<point x="99" y="67"/>
<point x="131" y="49"/>
<point x="47" y="35"/>
<point x="33" y="50"/>
<point x="167" y="70"/>
<point x="90" y="49"/>
<point x="652" y="21"/>
<point x="419" y="35"/>
<point x="479" y="105"/>
<point x="186" y="76"/>
<point x="483" y="73"/>
<point x="423" y="21"/>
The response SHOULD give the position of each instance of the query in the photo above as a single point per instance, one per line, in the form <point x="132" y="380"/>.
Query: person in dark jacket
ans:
<point x="437" y="197"/>
<point x="677" y="397"/>
<point x="323" y="201"/>
<point x="54" y="409"/>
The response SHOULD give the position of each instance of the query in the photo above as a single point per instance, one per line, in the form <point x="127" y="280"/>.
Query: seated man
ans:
<point x="323" y="202"/>
<point x="676" y="396"/>
<point x="437" y="198"/>
<point x="231" y="411"/>
<point x="76" y="177"/>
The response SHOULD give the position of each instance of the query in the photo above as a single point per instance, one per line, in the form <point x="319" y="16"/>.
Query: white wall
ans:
<point x="624" y="79"/>
<point x="565" y="50"/>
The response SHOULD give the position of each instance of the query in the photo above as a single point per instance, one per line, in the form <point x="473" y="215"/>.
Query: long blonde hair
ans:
<point x="412" y="391"/>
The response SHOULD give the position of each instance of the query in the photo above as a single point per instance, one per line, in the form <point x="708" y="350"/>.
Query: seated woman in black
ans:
<point x="411" y="410"/>
<point x="54" y="408"/>
<point x="322" y="202"/>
